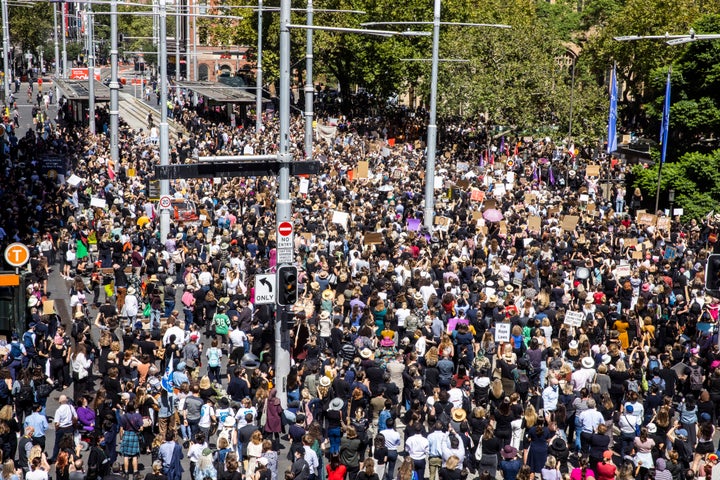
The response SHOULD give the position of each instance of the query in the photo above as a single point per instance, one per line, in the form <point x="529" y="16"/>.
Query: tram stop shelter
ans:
<point x="222" y="97"/>
<point x="78" y="95"/>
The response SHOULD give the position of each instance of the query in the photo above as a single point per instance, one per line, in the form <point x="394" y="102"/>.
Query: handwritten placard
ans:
<point x="477" y="195"/>
<point x="373" y="238"/>
<point x="646" y="219"/>
<point x="502" y="332"/>
<point x="574" y="319"/>
<point x="593" y="171"/>
<point x="622" y="271"/>
<point x="663" y="223"/>
<point x="569" y="222"/>
<point x="362" y="169"/>
<point x="534" y="223"/>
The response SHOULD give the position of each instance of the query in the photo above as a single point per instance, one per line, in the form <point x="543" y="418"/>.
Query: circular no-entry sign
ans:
<point x="285" y="229"/>
<point x="165" y="201"/>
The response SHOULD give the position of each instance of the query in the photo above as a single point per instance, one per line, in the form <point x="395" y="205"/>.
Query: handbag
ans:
<point x="147" y="310"/>
<point x="147" y="422"/>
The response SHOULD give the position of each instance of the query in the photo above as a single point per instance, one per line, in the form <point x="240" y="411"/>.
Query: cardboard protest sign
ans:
<point x="646" y="219"/>
<point x="462" y="166"/>
<point x="622" y="271"/>
<point x="593" y="171"/>
<point x="569" y="222"/>
<point x="48" y="307"/>
<point x="534" y="223"/>
<point x="304" y="186"/>
<point x="489" y="203"/>
<point x="477" y="195"/>
<point x="663" y="223"/>
<point x="362" y="169"/>
<point x="499" y="189"/>
<point x="373" y="238"/>
<point x="476" y="216"/>
<point x="637" y="255"/>
<point x="463" y="184"/>
<point x="631" y="242"/>
<point x="670" y="253"/>
<point x="74" y="180"/>
<point x="98" y="202"/>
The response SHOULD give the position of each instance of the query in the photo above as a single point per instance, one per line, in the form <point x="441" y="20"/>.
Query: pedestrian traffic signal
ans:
<point x="287" y="291"/>
<point x="712" y="273"/>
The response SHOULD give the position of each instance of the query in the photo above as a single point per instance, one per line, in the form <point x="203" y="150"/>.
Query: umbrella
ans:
<point x="492" y="215"/>
<point x="386" y="188"/>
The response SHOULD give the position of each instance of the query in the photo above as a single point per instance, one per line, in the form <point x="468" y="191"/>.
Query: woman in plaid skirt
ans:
<point x="130" y="428"/>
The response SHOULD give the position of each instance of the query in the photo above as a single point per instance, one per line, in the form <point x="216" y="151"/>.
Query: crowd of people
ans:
<point x="545" y="326"/>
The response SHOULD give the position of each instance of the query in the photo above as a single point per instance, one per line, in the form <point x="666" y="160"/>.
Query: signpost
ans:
<point x="165" y="201"/>
<point x="285" y="243"/>
<point x="265" y="293"/>
<point x="17" y="254"/>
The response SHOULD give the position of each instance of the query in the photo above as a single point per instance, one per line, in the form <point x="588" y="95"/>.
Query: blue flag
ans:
<point x="612" y="120"/>
<point x="166" y="381"/>
<point x="665" y="119"/>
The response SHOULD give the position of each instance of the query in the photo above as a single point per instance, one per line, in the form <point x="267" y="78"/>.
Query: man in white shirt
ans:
<point x="418" y="447"/>
<point x="392" y="443"/>
<point x="174" y="330"/>
<point x="435" y="441"/>
<point x="64" y="416"/>
<point x="550" y="395"/>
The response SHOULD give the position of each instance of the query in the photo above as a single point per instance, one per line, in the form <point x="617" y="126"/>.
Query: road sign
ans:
<point x="165" y="201"/>
<point x="285" y="229"/>
<point x="265" y="293"/>
<point x="17" y="254"/>
<point x="285" y="243"/>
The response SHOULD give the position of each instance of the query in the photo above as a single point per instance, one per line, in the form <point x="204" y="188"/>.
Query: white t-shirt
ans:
<point x="206" y="414"/>
<point x="37" y="475"/>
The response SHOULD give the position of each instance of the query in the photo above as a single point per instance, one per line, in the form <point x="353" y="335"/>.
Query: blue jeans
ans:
<point x="334" y="435"/>
<point x="169" y="307"/>
<point x="392" y="456"/>
<point x="188" y="312"/>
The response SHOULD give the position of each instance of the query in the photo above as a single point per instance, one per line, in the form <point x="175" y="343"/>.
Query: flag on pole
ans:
<point x="166" y="381"/>
<point x="665" y="119"/>
<point x="535" y="173"/>
<point x="551" y="176"/>
<point x="502" y="144"/>
<point x="612" y="120"/>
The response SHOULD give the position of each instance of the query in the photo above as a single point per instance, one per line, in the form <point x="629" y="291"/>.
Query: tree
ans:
<point x="30" y="26"/>
<point x="695" y="177"/>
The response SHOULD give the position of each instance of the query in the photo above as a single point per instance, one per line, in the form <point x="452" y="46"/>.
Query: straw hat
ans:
<point x="459" y="415"/>
<point x="328" y="294"/>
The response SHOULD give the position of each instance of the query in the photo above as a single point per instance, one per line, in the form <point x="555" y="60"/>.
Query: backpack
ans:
<point x="443" y="416"/>
<point x="213" y="357"/>
<point x="26" y="394"/>
<point x="176" y="257"/>
<point x="696" y="378"/>
<point x="522" y="381"/>
<point x="632" y="386"/>
<point x="43" y="390"/>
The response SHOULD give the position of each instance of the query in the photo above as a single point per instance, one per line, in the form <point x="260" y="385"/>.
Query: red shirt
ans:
<point x="605" y="471"/>
<point x="337" y="474"/>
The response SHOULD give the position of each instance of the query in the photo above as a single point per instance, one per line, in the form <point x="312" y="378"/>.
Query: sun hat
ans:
<point x="325" y="381"/>
<point x="588" y="362"/>
<point x="79" y="314"/>
<point x="336" y="404"/>
<point x="573" y="345"/>
<point x="328" y="294"/>
<point x="262" y="461"/>
<point x="459" y="415"/>
<point x="652" y="428"/>
<point x="131" y="290"/>
<point x="229" y="421"/>
<point x="366" y="353"/>
<point x="509" y="452"/>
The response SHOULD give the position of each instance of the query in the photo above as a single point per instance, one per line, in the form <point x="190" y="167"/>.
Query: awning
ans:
<point x="78" y="90"/>
<point x="218" y="92"/>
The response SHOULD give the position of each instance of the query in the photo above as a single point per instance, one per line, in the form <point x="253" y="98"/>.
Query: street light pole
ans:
<point x="6" y="50"/>
<point x="259" y="72"/>
<point x="572" y="96"/>
<point x="91" y="71"/>
<point x="164" y="131"/>
<point x="63" y="19"/>
<point x="114" y="85"/>
<point x="56" y="41"/>
<point x="432" y="123"/>
<point x="309" y="87"/>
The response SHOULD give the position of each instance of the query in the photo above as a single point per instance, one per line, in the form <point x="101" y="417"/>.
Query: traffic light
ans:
<point x="712" y="272"/>
<point x="287" y="290"/>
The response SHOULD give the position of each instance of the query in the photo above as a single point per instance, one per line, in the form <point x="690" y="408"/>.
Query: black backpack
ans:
<point x="26" y="394"/>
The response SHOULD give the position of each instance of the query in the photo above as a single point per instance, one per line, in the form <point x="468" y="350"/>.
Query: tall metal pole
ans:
<point x="164" y="131"/>
<point x="177" y="42"/>
<point x="309" y="88"/>
<point x="63" y="20"/>
<point x="91" y="70"/>
<point x="282" y="354"/>
<point x="572" y="96"/>
<point x="194" y="41"/>
<point x="56" y="40"/>
<point x="432" y="126"/>
<point x="6" y="50"/>
<point x="188" y="50"/>
<point x="114" y="85"/>
<point x="259" y="72"/>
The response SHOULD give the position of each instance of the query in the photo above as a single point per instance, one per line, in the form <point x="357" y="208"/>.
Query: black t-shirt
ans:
<point x="333" y="418"/>
<point x="447" y="474"/>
